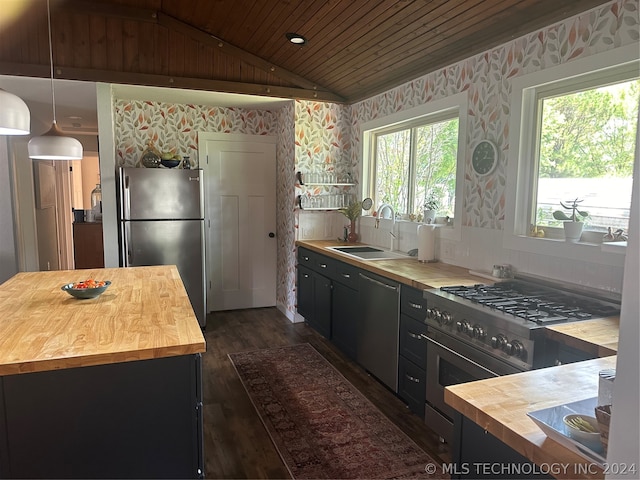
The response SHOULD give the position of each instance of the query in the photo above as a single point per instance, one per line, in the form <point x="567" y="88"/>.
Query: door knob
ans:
<point x="271" y="234"/>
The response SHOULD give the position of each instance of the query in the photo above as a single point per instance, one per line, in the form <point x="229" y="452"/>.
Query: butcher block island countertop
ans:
<point x="144" y="314"/>
<point x="500" y="406"/>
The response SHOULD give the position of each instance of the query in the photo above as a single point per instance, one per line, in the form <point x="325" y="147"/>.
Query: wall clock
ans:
<point x="485" y="157"/>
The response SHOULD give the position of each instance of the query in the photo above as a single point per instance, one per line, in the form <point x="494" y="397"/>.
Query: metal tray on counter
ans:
<point x="550" y="421"/>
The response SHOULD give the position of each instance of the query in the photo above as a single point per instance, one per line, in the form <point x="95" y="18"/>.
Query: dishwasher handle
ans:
<point x="395" y="288"/>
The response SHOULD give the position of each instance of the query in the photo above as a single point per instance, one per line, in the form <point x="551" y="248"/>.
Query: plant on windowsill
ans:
<point x="573" y="223"/>
<point x="430" y="209"/>
<point x="352" y="212"/>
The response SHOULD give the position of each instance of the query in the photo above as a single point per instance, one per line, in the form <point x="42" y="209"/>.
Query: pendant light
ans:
<point x="14" y="115"/>
<point x="54" y="145"/>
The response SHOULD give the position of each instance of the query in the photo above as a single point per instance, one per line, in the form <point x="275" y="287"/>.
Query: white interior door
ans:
<point x="240" y="190"/>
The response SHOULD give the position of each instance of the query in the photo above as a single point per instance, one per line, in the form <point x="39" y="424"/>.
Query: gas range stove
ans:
<point x="505" y="319"/>
<point x="534" y="303"/>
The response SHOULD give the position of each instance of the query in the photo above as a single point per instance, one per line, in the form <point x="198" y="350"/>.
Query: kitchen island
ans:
<point x="499" y="407"/>
<point x="105" y="387"/>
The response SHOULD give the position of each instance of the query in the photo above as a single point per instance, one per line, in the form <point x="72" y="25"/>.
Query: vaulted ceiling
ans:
<point x="355" y="49"/>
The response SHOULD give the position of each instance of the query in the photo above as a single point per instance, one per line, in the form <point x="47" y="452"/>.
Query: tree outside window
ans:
<point x="586" y="151"/>
<point x="416" y="163"/>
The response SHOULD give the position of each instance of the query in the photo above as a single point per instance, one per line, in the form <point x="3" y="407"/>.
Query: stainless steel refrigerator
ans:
<point x="162" y="223"/>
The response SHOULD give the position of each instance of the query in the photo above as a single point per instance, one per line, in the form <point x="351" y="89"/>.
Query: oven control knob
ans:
<point x="464" y="327"/>
<point x="515" y="348"/>
<point x="499" y="341"/>
<point x="433" y="313"/>
<point x="478" y="332"/>
<point x="445" y="318"/>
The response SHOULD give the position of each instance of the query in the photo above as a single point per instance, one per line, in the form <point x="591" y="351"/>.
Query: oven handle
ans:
<point x="457" y="355"/>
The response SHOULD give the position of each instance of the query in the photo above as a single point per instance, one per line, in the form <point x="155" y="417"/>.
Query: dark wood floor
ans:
<point x="236" y="443"/>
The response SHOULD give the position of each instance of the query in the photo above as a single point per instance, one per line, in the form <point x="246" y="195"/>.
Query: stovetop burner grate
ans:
<point x="533" y="303"/>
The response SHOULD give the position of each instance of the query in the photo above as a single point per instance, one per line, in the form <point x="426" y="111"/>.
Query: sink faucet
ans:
<point x="382" y="212"/>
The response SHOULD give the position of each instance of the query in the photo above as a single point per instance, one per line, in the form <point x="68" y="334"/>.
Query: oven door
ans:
<point x="451" y="362"/>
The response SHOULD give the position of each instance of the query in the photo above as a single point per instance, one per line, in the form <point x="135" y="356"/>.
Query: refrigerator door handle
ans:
<point x="126" y="201"/>
<point x="127" y="244"/>
<point x="194" y="179"/>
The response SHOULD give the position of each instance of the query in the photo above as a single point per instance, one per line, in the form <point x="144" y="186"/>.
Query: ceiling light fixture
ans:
<point x="296" y="38"/>
<point x="54" y="145"/>
<point x="14" y="115"/>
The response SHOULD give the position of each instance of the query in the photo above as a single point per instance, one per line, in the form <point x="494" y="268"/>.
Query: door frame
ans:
<point x="203" y="163"/>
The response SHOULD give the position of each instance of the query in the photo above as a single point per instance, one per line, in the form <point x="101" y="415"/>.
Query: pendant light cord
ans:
<point x="53" y="93"/>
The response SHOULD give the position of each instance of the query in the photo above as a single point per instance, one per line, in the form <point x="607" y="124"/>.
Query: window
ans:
<point x="572" y="134"/>
<point x="416" y="161"/>
<point x="586" y="146"/>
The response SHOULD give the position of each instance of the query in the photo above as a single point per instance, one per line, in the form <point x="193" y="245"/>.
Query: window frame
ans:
<point x="438" y="110"/>
<point x="602" y="68"/>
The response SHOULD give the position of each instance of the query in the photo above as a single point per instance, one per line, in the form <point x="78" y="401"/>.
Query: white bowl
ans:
<point x="588" y="439"/>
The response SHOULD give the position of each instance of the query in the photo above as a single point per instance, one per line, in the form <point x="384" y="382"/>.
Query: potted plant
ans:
<point x="430" y="207"/>
<point x="352" y="212"/>
<point x="572" y="223"/>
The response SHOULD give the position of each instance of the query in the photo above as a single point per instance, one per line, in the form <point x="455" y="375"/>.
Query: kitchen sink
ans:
<point x="365" y="252"/>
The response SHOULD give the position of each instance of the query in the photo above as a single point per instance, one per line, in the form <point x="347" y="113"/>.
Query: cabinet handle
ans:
<point x="413" y="379"/>
<point x="306" y="259"/>
<point x="322" y="265"/>
<point x="345" y="275"/>
<point x="417" y="336"/>
<point x="417" y="306"/>
<point x="306" y="275"/>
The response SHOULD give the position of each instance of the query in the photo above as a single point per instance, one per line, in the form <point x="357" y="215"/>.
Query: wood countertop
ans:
<point x="598" y="337"/>
<point x="500" y="406"/>
<point x="144" y="314"/>
<point x="407" y="271"/>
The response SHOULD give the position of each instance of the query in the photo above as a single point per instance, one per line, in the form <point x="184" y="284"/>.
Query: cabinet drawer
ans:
<point x="412" y="343"/>
<point x="345" y="274"/>
<point x="315" y="261"/>
<point x="412" y="385"/>
<point x="412" y="303"/>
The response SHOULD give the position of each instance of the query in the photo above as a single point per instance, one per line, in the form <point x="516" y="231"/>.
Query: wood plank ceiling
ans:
<point x="356" y="48"/>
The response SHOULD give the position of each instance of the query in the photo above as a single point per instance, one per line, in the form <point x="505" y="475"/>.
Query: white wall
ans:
<point x="8" y="258"/>
<point x="624" y="435"/>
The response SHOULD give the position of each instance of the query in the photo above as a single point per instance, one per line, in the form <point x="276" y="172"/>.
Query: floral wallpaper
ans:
<point x="327" y="136"/>
<point x="175" y="127"/>
<point x="285" y="194"/>
<point x="487" y="79"/>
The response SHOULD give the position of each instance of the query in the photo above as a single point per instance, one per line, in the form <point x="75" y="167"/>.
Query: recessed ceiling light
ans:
<point x="296" y="38"/>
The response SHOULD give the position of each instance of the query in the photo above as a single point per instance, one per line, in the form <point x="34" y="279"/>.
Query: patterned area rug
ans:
<point x="322" y="426"/>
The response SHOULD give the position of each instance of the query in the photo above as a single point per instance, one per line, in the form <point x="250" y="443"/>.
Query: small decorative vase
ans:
<point x="572" y="231"/>
<point x="353" y="236"/>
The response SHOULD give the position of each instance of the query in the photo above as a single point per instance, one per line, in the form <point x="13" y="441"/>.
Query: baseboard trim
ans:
<point x="293" y="317"/>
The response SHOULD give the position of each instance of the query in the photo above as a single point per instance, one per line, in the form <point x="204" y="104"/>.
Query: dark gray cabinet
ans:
<point x="413" y="350"/>
<point x="477" y="454"/>
<point x="328" y="298"/>
<point x="344" y="319"/>
<point x="314" y="300"/>
<point x="139" y="419"/>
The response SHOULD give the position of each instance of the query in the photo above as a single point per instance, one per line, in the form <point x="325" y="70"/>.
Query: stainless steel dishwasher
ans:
<point x="378" y="328"/>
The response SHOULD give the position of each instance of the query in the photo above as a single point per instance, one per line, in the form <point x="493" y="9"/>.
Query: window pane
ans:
<point x="587" y="145"/>
<point x="393" y="151"/>
<point x="436" y="160"/>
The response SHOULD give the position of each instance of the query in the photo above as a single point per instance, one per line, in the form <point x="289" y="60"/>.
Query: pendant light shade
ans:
<point x="14" y="115"/>
<point x="54" y="145"/>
